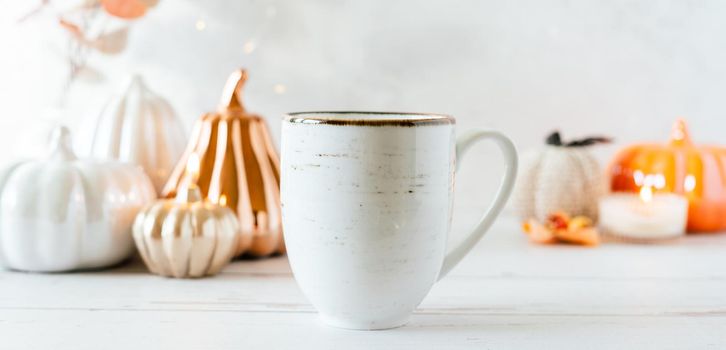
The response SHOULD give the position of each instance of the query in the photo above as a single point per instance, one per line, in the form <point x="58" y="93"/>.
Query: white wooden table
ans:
<point x="507" y="294"/>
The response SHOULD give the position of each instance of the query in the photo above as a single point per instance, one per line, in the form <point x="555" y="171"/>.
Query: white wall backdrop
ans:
<point x="620" y="68"/>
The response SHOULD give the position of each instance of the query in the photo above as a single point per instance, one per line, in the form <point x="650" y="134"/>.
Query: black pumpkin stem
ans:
<point x="554" y="139"/>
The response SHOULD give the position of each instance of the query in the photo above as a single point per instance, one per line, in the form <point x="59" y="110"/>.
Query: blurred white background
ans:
<point x="619" y="68"/>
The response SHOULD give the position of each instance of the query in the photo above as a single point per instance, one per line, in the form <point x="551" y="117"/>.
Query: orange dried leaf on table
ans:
<point x="579" y="222"/>
<point x="537" y="232"/>
<point x="588" y="236"/>
<point x="558" y="221"/>
<point x="127" y="9"/>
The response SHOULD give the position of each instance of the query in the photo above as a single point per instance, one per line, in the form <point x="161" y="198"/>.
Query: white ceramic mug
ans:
<point x="367" y="200"/>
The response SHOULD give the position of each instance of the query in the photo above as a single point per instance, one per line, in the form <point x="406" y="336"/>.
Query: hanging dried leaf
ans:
<point x="110" y="43"/>
<point x="72" y="28"/>
<point x="149" y="3"/>
<point x="69" y="7"/>
<point x="91" y="3"/>
<point x="90" y="75"/>
<point x="126" y="9"/>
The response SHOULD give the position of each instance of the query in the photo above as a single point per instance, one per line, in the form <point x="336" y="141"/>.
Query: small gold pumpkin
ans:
<point x="186" y="237"/>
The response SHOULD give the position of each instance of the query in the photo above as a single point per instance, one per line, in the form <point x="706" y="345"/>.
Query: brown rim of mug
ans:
<point x="370" y="118"/>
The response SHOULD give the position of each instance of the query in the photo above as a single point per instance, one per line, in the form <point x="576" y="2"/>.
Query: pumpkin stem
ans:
<point x="679" y="134"/>
<point x="232" y="93"/>
<point x="189" y="195"/>
<point x="554" y="139"/>
<point x="135" y="81"/>
<point x="61" y="145"/>
<point x="192" y="192"/>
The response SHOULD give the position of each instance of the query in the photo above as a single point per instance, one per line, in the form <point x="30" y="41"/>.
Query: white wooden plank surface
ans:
<point x="507" y="294"/>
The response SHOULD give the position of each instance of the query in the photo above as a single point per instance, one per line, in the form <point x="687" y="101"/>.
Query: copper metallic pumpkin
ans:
<point x="697" y="172"/>
<point x="239" y="168"/>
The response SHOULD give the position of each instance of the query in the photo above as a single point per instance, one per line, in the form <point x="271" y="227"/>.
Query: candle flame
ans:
<point x="193" y="167"/>
<point x="646" y="194"/>
<point x="689" y="184"/>
<point x="222" y="200"/>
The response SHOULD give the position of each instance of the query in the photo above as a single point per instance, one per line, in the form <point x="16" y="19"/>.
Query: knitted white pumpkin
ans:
<point x="559" y="177"/>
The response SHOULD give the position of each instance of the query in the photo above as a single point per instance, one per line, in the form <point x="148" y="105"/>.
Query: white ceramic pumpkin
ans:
<point x="62" y="213"/>
<point x="139" y="127"/>
<point x="559" y="177"/>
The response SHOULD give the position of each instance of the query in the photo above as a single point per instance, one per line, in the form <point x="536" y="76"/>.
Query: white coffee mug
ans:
<point x="367" y="201"/>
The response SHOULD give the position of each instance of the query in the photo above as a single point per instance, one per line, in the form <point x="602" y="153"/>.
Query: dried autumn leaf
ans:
<point x="537" y="232"/>
<point x="90" y="75"/>
<point x="579" y="222"/>
<point x="558" y="220"/>
<point x="74" y="29"/>
<point x="76" y="5"/>
<point x="111" y="42"/>
<point x="126" y="9"/>
<point x="149" y="3"/>
<point x="584" y="236"/>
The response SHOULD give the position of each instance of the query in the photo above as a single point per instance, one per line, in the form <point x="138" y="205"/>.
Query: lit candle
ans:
<point x="644" y="216"/>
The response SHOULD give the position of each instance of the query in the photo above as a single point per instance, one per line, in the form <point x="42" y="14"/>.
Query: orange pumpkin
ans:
<point x="697" y="172"/>
<point x="239" y="168"/>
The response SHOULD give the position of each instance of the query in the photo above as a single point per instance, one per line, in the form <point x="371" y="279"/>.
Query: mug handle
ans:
<point x="505" y="189"/>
